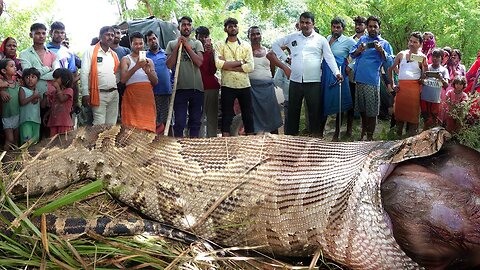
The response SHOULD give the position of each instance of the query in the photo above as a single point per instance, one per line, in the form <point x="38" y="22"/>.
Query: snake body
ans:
<point x="290" y="195"/>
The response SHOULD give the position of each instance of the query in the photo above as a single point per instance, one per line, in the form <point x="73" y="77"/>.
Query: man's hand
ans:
<point x="339" y="77"/>
<point x="86" y="101"/>
<point x="378" y="46"/>
<point x="184" y="41"/>
<point x="361" y="48"/>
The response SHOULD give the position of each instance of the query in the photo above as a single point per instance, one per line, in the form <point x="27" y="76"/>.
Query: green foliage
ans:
<point x="468" y="121"/>
<point x="16" y="21"/>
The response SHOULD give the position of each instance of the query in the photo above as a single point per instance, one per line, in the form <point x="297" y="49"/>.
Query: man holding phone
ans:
<point x="138" y="74"/>
<point x="370" y="53"/>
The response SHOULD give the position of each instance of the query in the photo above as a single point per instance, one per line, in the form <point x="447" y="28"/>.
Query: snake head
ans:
<point x="424" y="144"/>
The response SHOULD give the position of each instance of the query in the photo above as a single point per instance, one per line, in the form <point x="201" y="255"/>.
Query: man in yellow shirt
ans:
<point x="235" y="60"/>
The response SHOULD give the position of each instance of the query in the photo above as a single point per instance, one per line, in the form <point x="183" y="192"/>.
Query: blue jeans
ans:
<point x="190" y="100"/>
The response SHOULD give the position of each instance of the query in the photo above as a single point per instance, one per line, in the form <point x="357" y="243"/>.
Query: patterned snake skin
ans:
<point x="290" y="195"/>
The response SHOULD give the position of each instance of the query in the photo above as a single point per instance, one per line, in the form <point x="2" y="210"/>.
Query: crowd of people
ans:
<point x="44" y="88"/>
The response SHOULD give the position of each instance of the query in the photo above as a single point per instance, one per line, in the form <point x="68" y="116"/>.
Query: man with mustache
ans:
<point x="308" y="49"/>
<point x="189" y="95"/>
<point x="162" y="91"/>
<point x="370" y="53"/>
<point x="235" y="59"/>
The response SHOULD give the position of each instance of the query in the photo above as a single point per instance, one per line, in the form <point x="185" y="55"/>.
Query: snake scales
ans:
<point x="291" y="195"/>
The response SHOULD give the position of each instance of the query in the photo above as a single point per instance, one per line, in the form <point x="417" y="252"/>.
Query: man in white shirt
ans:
<point x="98" y="79"/>
<point x="308" y="49"/>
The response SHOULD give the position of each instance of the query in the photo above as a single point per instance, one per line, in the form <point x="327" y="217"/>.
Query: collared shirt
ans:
<point x="164" y="85"/>
<point x="307" y="55"/>
<point x="65" y="57"/>
<point x="30" y="58"/>
<point x="105" y="68"/>
<point x="368" y="63"/>
<point x="234" y="51"/>
<point x="342" y="46"/>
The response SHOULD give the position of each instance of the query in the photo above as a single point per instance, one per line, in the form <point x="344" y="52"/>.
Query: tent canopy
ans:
<point x="165" y="31"/>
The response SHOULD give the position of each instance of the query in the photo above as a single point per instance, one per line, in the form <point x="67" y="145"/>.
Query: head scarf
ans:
<point x="430" y="44"/>
<point x="2" y="47"/>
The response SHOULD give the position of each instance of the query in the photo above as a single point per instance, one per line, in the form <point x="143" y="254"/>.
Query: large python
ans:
<point x="291" y="195"/>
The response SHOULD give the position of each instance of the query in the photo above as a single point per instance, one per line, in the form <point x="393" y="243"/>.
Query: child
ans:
<point x="60" y="101"/>
<point x="430" y="96"/>
<point x="11" y="105"/>
<point x="30" y="107"/>
<point x="455" y="97"/>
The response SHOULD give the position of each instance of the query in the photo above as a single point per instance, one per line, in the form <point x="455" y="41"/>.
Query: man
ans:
<point x="210" y="82"/>
<point x="235" y="60"/>
<point x="138" y="74"/>
<point x="39" y="57"/>
<point x="98" y="79"/>
<point x="64" y="56"/>
<point x="409" y="65"/>
<point x="370" y="53"/>
<point x="115" y="46"/>
<point x="266" y="111"/>
<point x="308" y="51"/>
<point x="360" y="26"/>
<point x="189" y="95"/>
<point x="341" y="46"/>
<point x="162" y="91"/>
<point x="121" y="52"/>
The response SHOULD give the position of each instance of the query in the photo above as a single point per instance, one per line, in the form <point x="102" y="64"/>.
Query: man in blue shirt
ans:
<point x="163" y="89"/>
<point x="370" y="53"/>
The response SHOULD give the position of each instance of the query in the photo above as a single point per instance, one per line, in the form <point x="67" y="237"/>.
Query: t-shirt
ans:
<point x="432" y="87"/>
<point x="189" y="76"/>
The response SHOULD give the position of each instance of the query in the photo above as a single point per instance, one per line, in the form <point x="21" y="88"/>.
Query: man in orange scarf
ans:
<point x="99" y="83"/>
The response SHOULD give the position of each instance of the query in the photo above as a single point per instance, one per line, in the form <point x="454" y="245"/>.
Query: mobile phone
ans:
<point x="416" y="57"/>
<point x="370" y="45"/>
<point x="142" y="55"/>
<point x="432" y="73"/>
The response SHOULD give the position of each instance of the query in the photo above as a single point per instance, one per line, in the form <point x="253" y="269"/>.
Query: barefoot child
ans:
<point x="30" y="107"/>
<point x="455" y="97"/>
<point x="60" y="101"/>
<point x="11" y="105"/>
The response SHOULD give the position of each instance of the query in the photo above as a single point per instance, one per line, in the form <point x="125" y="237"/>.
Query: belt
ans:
<point x="108" y="90"/>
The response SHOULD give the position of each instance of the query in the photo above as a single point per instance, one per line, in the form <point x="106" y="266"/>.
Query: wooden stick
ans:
<point x="172" y="99"/>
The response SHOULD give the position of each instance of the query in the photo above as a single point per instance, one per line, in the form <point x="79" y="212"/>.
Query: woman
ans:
<point x="8" y="49"/>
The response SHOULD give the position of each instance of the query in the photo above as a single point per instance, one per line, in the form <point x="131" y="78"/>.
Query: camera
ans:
<point x="370" y="45"/>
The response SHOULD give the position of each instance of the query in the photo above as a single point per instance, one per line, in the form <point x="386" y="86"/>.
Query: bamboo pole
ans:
<point x="172" y="99"/>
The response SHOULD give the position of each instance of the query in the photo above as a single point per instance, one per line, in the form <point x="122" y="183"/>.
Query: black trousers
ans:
<point x="227" y="100"/>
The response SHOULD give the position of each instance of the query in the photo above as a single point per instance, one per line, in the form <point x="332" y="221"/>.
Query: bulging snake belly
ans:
<point x="290" y="195"/>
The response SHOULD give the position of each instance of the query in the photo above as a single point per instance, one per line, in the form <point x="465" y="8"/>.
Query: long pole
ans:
<point x="172" y="99"/>
<point x="339" y="108"/>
